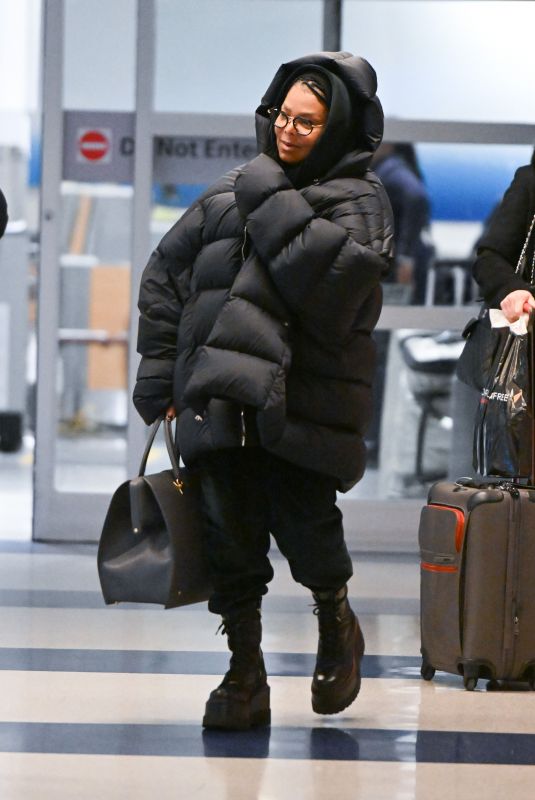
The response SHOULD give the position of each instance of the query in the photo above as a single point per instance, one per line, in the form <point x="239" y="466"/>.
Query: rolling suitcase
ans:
<point x="477" y="545"/>
<point x="477" y="600"/>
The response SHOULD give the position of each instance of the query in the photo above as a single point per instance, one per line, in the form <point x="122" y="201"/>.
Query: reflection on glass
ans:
<point x="226" y="75"/>
<point x="109" y="83"/>
<point x="91" y="378"/>
<point x="442" y="196"/>
<point x="422" y="425"/>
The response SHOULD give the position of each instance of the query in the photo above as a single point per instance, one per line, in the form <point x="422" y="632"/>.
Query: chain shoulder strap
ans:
<point x="520" y="267"/>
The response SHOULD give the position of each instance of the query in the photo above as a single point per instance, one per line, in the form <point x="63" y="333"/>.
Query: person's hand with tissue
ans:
<point x="517" y="303"/>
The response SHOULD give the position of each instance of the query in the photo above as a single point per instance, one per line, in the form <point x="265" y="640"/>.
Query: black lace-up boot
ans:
<point x="241" y="701"/>
<point x="336" y="680"/>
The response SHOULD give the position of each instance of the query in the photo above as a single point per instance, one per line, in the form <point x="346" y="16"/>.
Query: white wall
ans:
<point x="448" y="59"/>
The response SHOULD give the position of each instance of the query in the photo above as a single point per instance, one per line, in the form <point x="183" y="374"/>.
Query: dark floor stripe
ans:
<point x="49" y="548"/>
<point x="51" y="598"/>
<point x="336" y="744"/>
<point x="59" y="598"/>
<point x="185" y="662"/>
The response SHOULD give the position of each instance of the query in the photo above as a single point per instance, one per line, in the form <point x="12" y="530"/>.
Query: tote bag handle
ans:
<point x="171" y="452"/>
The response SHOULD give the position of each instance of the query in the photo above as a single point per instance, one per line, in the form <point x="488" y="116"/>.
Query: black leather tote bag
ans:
<point x="151" y="548"/>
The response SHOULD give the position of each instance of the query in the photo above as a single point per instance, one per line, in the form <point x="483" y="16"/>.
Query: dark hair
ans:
<point x="318" y="84"/>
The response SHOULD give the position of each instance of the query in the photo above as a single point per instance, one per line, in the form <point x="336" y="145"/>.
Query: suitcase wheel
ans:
<point x="470" y="683"/>
<point x="427" y="671"/>
<point x="493" y="686"/>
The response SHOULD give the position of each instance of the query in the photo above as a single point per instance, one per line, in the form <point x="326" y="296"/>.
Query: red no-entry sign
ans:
<point x="94" y="145"/>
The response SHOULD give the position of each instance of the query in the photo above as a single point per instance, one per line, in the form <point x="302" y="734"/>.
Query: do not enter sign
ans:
<point x="94" y="145"/>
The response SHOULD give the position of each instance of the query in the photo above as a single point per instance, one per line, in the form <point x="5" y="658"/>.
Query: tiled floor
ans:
<point x="105" y="703"/>
<point x="102" y="703"/>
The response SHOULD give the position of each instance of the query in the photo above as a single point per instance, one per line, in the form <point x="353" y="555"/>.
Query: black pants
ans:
<point x="248" y="494"/>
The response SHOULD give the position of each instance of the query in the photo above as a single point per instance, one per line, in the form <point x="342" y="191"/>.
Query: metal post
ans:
<point x="48" y="305"/>
<point x="145" y="64"/>
<point x="332" y="25"/>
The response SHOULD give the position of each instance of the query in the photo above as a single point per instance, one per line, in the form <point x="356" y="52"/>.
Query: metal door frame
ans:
<point x="77" y="516"/>
<point x="59" y="515"/>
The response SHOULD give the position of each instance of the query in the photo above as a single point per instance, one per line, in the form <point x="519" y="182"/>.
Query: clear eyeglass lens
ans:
<point x="302" y="126"/>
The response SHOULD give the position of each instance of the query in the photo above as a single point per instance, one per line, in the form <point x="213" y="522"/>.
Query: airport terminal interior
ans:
<point x="118" y="116"/>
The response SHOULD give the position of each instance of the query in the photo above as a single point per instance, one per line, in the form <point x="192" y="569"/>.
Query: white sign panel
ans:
<point x="99" y="147"/>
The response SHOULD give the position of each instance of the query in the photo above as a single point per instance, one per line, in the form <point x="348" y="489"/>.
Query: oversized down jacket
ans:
<point x="256" y="314"/>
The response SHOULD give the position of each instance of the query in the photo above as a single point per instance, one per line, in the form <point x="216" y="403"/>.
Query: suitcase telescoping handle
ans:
<point x="531" y="351"/>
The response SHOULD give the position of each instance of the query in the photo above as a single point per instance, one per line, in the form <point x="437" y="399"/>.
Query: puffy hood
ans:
<point x="355" y="124"/>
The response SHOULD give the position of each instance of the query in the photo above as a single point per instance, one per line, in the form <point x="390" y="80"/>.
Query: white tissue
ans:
<point x="499" y="320"/>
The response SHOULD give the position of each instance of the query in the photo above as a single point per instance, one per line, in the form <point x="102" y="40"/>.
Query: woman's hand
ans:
<point x="170" y="413"/>
<point x="517" y="303"/>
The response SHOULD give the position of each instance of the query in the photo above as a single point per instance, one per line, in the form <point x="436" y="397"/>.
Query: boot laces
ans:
<point x="245" y="651"/>
<point x="328" y="622"/>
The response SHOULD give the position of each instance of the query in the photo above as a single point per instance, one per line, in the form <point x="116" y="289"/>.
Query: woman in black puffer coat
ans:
<point x="501" y="244"/>
<point x="256" y="314"/>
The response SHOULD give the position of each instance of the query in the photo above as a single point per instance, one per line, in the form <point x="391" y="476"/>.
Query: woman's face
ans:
<point x="293" y="147"/>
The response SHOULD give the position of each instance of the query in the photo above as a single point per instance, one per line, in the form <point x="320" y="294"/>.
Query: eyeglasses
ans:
<point x="302" y="125"/>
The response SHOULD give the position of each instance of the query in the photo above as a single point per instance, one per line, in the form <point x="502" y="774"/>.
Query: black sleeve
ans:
<point x="323" y="269"/>
<point x="501" y="245"/>
<point x="163" y="290"/>
<point x="3" y="214"/>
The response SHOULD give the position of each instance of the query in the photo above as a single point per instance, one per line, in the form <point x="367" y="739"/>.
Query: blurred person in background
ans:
<point x="397" y="167"/>
<point x="256" y="316"/>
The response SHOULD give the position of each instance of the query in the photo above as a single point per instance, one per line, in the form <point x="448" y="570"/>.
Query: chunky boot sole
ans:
<point x="332" y="700"/>
<point x="227" y="712"/>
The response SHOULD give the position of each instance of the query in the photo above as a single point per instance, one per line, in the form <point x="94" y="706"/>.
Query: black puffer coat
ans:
<point x="257" y="306"/>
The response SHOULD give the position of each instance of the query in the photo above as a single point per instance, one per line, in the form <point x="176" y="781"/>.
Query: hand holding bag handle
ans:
<point x="137" y="485"/>
<point x="171" y="451"/>
<point x="483" y="343"/>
